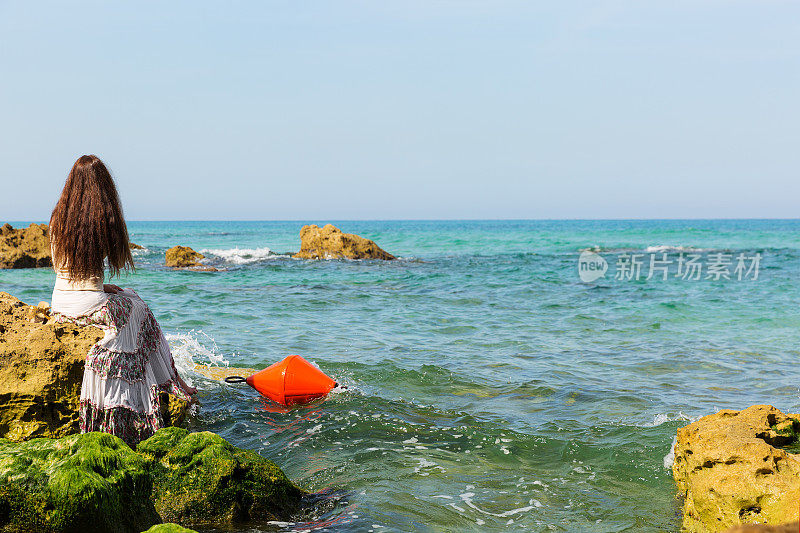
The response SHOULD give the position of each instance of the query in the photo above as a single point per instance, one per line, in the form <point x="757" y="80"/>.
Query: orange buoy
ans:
<point x="291" y="381"/>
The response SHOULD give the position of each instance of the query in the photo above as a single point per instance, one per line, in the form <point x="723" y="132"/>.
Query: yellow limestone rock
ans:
<point x="185" y="257"/>
<point x="329" y="242"/>
<point x="28" y="247"/>
<point x="736" y="467"/>
<point x="763" y="528"/>
<point x="24" y="248"/>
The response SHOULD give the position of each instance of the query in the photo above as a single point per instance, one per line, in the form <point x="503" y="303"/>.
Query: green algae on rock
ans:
<point x="201" y="479"/>
<point x="169" y="528"/>
<point x="88" y="482"/>
<point x="95" y="482"/>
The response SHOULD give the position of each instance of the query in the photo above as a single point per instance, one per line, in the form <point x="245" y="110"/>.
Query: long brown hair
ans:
<point x="87" y="225"/>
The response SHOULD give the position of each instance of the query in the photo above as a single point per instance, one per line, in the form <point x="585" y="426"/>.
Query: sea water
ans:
<point x="489" y="387"/>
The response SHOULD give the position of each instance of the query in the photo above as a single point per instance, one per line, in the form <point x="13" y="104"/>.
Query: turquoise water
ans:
<point x="489" y="388"/>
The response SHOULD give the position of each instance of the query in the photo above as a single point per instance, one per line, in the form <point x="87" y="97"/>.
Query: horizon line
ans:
<point x="642" y="219"/>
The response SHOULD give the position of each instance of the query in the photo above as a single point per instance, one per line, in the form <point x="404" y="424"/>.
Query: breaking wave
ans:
<point x="658" y="248"/>
<point x="241" y="256"/>
<point x="194" y="348"/>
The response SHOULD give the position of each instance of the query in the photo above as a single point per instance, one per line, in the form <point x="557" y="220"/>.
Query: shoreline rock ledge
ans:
<point x="738" y="467"/>
<point x="329" y="242"/>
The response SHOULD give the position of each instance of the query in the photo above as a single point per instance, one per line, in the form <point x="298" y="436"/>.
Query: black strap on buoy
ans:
<point x="235" y="379"/>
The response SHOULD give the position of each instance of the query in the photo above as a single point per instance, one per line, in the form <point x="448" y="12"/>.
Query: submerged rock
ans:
<point x="733" y="469"/>
<point x="329" y="242"/>
<point x="201" y="479"/>
<point x="41" y="370"/>
<point x="89" y="482"/>
<point x="25" y="248"/>
<point x="185" y="257"/>
<point x="95" y="482"/>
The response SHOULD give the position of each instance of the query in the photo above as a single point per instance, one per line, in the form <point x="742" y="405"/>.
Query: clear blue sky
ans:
<point x="405" y="109"/>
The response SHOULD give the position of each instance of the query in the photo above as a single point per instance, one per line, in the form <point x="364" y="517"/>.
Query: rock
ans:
<point x="69" y="483"/>
<point x="134" y="246"/>
<point x="763" y="528"/>
<point x="201" y="479"/>
<point x="732" y="469"/>
<point x="185" y="257"/>
<point x="95" y="482"/>
<point x="24" y="248"/>
<point x="182" y="256"/>
<point x="41" y="370"/>
<point x="39" y="314"/>
<point x="169" y="528"/>
<point x="330" y="243"/>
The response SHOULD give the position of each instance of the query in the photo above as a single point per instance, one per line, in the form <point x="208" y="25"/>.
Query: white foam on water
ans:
<point x="191" y="348"/>
<point x="241" y="256"/>
<point x="669" y="459"/>
<point x="662" y="418"/>
<point x="660" y="248"/>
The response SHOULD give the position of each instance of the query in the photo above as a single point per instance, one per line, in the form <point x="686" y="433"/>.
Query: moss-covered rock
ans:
<point x="169" y="528"/>
<point x="201" y="479"/>
<point x="95" y="482"/>
<point x="89" y="482"/>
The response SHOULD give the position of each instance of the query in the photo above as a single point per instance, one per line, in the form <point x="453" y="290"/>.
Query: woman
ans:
<point x="132" y="364"/>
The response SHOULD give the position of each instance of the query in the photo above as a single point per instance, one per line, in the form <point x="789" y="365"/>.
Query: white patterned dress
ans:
<point x="126" y="371"/>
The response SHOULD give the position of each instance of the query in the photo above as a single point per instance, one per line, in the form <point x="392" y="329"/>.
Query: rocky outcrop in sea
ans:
<point x="28" y="247"/>
<point x="186" y="258"/>
<point x="25" y="248"/>
<point x="329" y="242"/>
